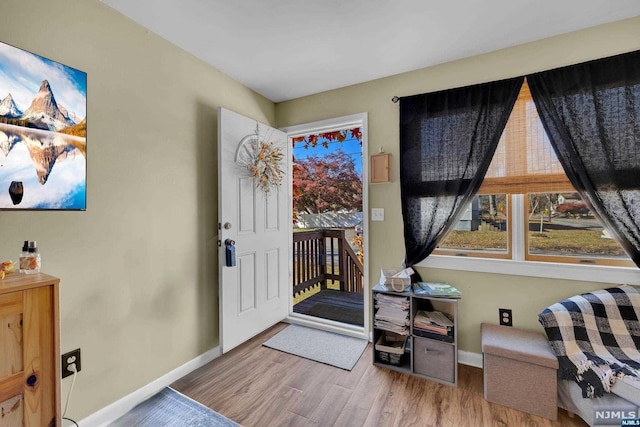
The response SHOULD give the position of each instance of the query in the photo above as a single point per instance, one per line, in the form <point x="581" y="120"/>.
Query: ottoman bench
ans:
<point x="520" y="370"/>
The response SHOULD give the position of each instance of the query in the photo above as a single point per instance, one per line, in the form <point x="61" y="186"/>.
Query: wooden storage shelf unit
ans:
<point x="424" y="356"/>
<point x="29" y="351"/>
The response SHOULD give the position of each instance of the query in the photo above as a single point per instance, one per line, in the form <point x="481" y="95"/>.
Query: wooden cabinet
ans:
<point x="435" y="359"/>
<point x="29" y="351"/>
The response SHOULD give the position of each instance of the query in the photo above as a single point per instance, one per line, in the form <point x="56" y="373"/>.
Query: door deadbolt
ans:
<point x="230" y="252"/>
<point x="227" y="225"/>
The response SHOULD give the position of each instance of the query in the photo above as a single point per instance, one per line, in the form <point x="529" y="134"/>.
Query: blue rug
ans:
<point x="170" y="408"/>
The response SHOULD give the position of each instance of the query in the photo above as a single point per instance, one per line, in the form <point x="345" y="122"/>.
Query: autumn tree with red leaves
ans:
<point x="325" y="138"/>
<point x="327" y="184"/>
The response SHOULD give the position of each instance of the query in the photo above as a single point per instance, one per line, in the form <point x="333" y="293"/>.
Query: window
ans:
<point x="483" y="230"/>
<point x="561" y="228"/>
<point x="556" y="224"/>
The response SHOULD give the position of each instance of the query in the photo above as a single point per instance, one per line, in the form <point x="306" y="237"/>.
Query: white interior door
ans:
<point x="253" y="293"/>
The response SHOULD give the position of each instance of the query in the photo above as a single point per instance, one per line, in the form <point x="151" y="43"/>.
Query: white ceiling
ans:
<point x="285" y="49"/>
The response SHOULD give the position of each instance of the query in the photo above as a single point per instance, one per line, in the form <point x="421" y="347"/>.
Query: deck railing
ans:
<point x="323" y="255"/>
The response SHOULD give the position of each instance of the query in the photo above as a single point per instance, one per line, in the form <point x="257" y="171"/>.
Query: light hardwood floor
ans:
<point x="259" y="386"/>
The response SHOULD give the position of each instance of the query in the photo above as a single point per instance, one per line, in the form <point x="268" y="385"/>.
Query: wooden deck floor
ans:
<point x="345" y="307"/>
<point x="259" y="386"/>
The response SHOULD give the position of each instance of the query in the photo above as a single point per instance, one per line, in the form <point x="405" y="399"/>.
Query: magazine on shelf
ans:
<point x="432" y="320"/>
<point x="434" y="325"/>
<point x="434" y="289"/>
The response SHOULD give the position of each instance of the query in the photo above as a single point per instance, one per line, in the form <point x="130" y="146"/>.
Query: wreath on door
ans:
<point x="263" y="161"/>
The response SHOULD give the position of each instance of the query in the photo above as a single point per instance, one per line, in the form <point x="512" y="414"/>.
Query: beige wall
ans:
<point x="483" y="294"/>
<point x="138" y="268"/>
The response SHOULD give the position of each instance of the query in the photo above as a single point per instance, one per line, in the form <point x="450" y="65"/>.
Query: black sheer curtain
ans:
<point x="447" y="141"/>
<point x="591" y="112"/>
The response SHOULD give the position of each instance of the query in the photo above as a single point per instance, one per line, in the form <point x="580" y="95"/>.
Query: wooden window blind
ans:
<point x="524" y="161"/>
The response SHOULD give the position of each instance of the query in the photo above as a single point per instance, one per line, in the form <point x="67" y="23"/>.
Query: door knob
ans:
<point x="227" y="225"/>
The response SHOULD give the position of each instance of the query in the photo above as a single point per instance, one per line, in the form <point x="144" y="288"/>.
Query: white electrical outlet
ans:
<point x="377" y="214"/>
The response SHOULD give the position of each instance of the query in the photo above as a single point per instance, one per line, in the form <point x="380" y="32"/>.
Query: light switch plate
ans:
<point x="377" y="214"/>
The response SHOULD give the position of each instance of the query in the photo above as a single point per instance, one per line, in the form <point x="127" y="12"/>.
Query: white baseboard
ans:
<point x="110" y="413"/>
<point x="470" y="358"/>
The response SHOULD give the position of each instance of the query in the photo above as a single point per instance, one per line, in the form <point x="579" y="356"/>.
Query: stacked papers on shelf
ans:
<point x="433" y="324"/>
<point x="438" y="318"/>
<point x="392" y="313"/>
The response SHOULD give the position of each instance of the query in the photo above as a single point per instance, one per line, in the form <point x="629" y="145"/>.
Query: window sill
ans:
<point x="547" y="270"/>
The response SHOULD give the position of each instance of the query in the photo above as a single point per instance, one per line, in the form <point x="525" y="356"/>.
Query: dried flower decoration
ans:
<point x="262" y="159"/>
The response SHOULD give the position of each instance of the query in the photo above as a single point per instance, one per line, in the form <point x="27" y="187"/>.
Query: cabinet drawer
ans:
<point x="434" y="359"/>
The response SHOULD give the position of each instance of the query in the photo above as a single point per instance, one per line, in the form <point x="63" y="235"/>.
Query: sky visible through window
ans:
<point x="350" y="146"/>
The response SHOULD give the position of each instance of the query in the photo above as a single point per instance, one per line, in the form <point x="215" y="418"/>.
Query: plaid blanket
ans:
<point x="596" y="337"/>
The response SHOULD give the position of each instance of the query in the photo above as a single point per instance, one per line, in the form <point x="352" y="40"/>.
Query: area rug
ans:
<point x="171" y="408"/>
<point x="325" y="347"/>
<point x="352" y="316"/>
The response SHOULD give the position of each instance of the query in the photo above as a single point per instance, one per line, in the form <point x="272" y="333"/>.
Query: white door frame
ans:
<point x="328" y="125"/>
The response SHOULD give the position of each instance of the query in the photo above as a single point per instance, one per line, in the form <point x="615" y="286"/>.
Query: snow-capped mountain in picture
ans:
<point x="43" y="133"/>
<point x="8" y="108"/>
<point x="45" y="110"/>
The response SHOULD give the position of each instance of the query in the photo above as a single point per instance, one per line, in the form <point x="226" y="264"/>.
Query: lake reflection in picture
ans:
<point x="50" y="166"/>
<point x="43" y="132"/>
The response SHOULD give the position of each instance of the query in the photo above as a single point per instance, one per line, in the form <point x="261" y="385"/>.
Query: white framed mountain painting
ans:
<point x="43" y="133"/>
